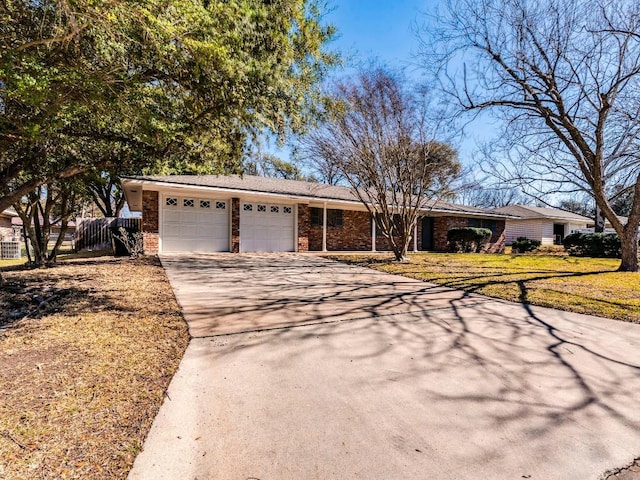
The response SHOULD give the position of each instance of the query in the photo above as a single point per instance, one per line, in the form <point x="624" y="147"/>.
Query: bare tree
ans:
<point x="325" y="170"/>
<point x="484" y="192"/>
<point x="380" y="138"/>
<point x="564" y="77"/>
<point x="268" y="165"/>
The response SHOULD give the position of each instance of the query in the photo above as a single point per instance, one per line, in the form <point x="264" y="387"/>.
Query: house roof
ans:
<point x="9" y="212"/>
<point x="291" y="188"/>
<point x="529" y="213"/>
<point x="17" y="222"/>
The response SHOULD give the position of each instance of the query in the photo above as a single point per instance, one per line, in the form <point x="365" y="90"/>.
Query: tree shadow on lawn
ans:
<point x="479" y="282"/>
<point x="65" y="287"/>
<point x="543" y="379"/>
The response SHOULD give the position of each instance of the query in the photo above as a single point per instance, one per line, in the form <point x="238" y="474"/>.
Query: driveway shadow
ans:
<point x="490" y="386"/>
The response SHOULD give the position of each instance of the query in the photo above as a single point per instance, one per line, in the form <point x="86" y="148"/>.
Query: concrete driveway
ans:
<point x="304" y="368"/>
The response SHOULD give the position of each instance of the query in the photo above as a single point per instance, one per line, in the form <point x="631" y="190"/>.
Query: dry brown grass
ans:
<point x="82" y="377"/>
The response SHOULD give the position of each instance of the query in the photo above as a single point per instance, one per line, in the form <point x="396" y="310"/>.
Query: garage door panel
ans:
<point x="171" y="216"/>
<point x="171" y="230"/>
<point x="192" y="224"/>
<point x="189" y="217"/>
<point x="266" y="228"/>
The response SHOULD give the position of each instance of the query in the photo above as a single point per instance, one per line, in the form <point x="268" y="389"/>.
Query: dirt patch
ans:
<point x="87" y="350"/>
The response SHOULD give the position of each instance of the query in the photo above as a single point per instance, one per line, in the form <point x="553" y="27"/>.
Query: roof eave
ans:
<point x="126" y="181"/>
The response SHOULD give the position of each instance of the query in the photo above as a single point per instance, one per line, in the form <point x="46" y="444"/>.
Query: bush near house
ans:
<point x="467" y="239"/>
<point x="599" y="245"/>
<point x="524" y="245"/>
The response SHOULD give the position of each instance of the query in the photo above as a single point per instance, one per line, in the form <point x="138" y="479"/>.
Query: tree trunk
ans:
<point x="599" y="220"/>
<point x="629" y="244"/>
<point x="401" y="248"/>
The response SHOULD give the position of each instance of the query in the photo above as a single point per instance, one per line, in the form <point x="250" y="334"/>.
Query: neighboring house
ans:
<point x="55" y="229"/>
<point x="548" y="225"/>
<point x="608" y="228"/>
<point x="212" y="213"/>
<point x="7" y="230"/>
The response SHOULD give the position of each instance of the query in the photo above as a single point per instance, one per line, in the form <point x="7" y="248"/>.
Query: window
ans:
<point x="222" y="205"/>
<point x="397" y="226"/>
<point x="247" y="207"/>
<point x="482" y="223"/>
<point x="286" y="209"/>
<point x="334" y="217"/>
<point x="188" y="202"/>
<point x="275" y="209"/>
<point x="262" y="208"/>
<point x="171" y="202"/>
<point x="316" y="217"/>
<point x="205" y="204"/>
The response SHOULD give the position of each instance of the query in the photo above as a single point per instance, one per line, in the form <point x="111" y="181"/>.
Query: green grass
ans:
<point x="584" y="285"/>
<point x="12" y="263"/>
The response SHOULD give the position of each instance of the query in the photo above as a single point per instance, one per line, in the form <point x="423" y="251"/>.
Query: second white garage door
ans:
<point x="266" y="227"/>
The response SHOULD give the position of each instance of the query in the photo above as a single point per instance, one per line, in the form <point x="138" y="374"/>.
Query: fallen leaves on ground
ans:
<point x="83" y="374"/>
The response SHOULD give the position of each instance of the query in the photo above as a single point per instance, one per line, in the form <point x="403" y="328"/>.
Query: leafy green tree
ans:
<point x="48" y="206"/>
<point x="180" y="84"/>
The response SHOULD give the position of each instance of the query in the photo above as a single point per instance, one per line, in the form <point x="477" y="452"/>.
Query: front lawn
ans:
<point x="585" y="285"/>
<point x="87" y="349"/>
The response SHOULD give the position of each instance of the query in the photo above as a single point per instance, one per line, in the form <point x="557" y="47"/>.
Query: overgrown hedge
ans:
<point x="467" y="239"/>
<point x="603" y="245"/>
<point x="524" y="245"/>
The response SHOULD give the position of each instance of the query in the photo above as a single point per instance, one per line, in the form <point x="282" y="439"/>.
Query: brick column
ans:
<point x="235" y="225"/>
<point x="150" y="221"/>
<point x="304" y="224"/>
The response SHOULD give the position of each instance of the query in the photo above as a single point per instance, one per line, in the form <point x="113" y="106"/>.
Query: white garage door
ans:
<point x="266" y="227"/>
<point x="193" y="224"/>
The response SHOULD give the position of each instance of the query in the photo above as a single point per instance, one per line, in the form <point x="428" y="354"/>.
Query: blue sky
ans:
<point x="378" y="29"/>
<point x="384" y="31"/>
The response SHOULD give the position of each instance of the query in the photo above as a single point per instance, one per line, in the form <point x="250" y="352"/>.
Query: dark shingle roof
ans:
<point x="317" y="191"/>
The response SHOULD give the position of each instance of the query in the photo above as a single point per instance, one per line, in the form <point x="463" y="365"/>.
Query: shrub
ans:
<point x="131" y="240"/>
<point x="524" y="245"/>
<point x="603" y="245"/>
<point x="467" y="239"/>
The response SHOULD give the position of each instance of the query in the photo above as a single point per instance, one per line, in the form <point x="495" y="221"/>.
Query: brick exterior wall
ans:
<point x="304" y="223"/>
<point x="235" y="225"/>
<point x="497" y="242"/>
<point x="150" y="221"/>
<point x="150" y="243"/>
<point x="383" y="244"/>
<point x="354" y="235"/>
<point x="441" y="225"/>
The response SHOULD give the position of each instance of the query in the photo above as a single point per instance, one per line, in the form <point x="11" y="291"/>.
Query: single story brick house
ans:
<point x="216" y="213"/>
<point x="548" y="225"/>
